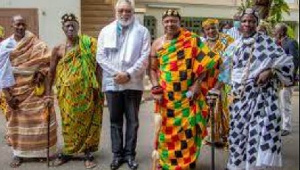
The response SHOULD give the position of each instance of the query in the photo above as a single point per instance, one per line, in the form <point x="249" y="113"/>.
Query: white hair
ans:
<point x="129" y="2"/>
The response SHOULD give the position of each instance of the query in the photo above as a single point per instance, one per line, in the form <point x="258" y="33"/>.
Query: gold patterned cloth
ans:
<point x="79" y="98"/>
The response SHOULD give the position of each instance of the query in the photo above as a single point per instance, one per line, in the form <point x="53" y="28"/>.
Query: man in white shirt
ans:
<point x="123" y="50"/>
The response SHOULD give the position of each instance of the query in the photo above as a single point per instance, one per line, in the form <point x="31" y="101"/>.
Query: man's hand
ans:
<point x="195" y="89"/>
<point x="48" y="102"/>
<point x="13" y="103"/>
<point x="158" y="97"/>
<point x="121" y="78"/>
<point x="264" y="76"/>
<point x="157" y="93"/>
<point x="38" y="77"/>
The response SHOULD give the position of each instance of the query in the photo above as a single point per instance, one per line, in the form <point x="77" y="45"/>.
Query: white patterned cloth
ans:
<point x="6" y="71"/>
<point x="255" y="119"/>
<point x="234" y="33"/>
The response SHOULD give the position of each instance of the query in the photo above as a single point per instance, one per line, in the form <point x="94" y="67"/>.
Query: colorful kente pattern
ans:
<point x="79" y="98"/>
<point x="181" y="62"/>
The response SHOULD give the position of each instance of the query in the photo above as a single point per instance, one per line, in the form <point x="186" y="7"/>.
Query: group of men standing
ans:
<point x="246" y="73"/>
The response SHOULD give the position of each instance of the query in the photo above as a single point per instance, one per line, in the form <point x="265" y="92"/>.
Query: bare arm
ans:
<point x="154" y="64"/>
<point x="98" y="74"/>
<point x="52" y="72"/>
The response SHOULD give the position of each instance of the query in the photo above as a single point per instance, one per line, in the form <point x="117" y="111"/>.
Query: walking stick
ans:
<point x="211" y="100"/>
<point x="48" y="134"/>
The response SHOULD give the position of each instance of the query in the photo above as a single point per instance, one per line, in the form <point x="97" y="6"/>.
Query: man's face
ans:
<point x="19" y="27"/>
<point x="211" y="31"/>
<point x="171" y="25"/>
<point x="124" y="14"/>
<point x="248" y="25"/>
<point x="70" y="29"/>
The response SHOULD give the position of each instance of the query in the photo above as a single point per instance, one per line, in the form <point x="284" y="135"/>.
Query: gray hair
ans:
<point x="129" y="2"/>
<point x="283" y="27"/>
<point x="15" y="17"/>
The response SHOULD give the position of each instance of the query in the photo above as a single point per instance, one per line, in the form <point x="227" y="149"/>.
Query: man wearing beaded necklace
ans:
<point x="77" y="78"/>
<point x="257" y="66"/>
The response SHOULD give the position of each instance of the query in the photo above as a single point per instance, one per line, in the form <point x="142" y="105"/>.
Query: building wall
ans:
<point x="192" y="11"/>
<point x="202" y="8"/>
<point x="50" y="12"/>
<point x="193" y="2"/>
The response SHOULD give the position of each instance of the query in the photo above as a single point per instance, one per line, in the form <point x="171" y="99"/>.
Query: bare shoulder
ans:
<point x="157" y="44"/>
<point x="58" y="50"/>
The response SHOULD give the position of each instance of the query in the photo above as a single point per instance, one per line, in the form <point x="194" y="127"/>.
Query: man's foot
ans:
<point x="61" y="159"/>
<point x="132" y="164"/>
<point x="89" y="161"/>
<point x="285" y="133"/>
<point x="116" y="163"/>
<point x="16" y="162"/>
<point x="89" y="164"/>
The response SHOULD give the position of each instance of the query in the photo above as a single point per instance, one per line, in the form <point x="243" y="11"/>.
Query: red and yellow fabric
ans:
<point x="181" y="62"/>
<point x="27" y="125"/>
<point x="221" y="111"/>
<point x="79" y="98"/>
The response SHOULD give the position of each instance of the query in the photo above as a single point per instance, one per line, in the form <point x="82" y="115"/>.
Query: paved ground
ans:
<point x="144" y="148"/>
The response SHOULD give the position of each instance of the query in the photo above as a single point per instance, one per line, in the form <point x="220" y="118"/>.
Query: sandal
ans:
<point x="61" y="159"/>
<point x="89" y="164"/>
<point x="16" y="162"/>
<point x="88" y="161"/>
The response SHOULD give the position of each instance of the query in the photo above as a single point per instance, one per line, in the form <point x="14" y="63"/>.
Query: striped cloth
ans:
<point x="27" y="125"/>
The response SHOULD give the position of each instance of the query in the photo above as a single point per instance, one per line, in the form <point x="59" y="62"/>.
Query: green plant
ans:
<point x="270" y="10"/>
<point x="245" y="4"/>
<point x="278" y="7"/>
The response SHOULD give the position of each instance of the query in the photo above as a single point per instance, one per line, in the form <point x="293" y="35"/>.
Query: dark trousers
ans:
<point x="122" y="103"/>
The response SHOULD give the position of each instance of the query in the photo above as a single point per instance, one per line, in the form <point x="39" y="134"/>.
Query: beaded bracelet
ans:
<point x="156" y="90"/>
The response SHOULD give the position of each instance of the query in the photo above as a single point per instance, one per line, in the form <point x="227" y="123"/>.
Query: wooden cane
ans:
<point x="48" y="134"/>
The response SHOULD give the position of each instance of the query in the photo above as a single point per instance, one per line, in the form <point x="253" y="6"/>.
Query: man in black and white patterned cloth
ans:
<point x="258" y="67"/>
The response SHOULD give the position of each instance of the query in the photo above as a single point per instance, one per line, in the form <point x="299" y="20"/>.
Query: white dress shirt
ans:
<point x="127" y="52"/>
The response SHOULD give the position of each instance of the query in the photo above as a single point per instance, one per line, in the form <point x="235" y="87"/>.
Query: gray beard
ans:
<point x="125" y="23"/>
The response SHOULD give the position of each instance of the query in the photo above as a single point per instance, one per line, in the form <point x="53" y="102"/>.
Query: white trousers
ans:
<point x="286" y="107"/>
